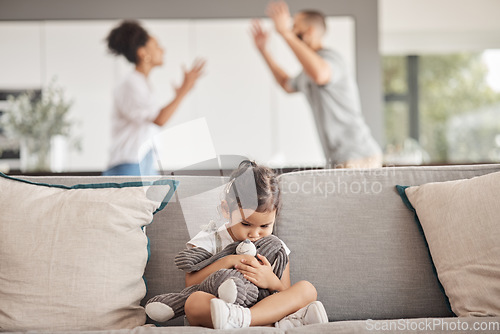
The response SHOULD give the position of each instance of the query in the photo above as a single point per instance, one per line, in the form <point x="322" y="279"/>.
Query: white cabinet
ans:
<point x="75" y="54"/>
<point x="21" y="55"/>
<point x="246" y="111"/>
<point x="174" y="36"/>
<point x="235" y="95"/>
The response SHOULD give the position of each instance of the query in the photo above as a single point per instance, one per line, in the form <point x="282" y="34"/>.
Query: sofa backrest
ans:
<point x="194" y="204"/>
<point x="353" y="238"/>
<point x="348" y="231"/>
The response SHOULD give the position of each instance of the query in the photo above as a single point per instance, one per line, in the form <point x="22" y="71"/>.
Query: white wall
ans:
<point x="419" y="26"/>
<point x="247" y="113"/>
<point x="21" y="55"/>
<point x="76" y="57"/>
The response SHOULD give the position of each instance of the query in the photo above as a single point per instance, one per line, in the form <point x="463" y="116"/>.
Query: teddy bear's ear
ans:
<point x="246" y="247"/>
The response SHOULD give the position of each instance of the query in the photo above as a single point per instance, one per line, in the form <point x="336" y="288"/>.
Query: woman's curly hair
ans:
<point x="126" y="38"/>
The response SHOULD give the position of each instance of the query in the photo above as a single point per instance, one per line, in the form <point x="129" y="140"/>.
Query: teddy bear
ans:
<point x="226" y="284"/>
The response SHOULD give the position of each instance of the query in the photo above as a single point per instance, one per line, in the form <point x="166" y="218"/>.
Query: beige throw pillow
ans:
<point x="461" y="223"/>
<point x="72" y="258"/>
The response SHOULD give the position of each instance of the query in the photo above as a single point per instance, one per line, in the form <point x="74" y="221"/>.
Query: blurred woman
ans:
<point x="136" y="118"/>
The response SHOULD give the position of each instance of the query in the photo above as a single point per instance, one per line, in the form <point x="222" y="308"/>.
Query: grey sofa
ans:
<point x="350" y="235"/>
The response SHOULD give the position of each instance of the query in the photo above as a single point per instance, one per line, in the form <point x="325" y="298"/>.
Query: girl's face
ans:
<point x="254" y="226"/>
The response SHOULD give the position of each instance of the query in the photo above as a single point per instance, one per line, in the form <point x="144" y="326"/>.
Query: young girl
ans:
<point x="251" y="203"/>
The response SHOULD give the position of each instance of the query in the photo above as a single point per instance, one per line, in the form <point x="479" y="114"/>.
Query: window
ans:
<point x="442" y="108"/>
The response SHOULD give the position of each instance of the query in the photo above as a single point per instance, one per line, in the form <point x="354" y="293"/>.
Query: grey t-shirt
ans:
<point x="336" y="108"/>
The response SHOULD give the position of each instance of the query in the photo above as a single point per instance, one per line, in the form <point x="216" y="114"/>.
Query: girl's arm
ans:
<point x="226" y="262"/>
<point x="285" y="278"/>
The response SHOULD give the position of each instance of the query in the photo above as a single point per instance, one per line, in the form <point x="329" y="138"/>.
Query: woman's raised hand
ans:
<point x="191" y="76"/>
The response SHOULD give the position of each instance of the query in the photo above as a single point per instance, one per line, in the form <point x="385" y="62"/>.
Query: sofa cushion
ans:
<point x="460" y="222"/>
<point x="352" y="237"/>
<point x="450" y="325"/>
<point x="72" y="258"/>
<point x="194" y="203"/>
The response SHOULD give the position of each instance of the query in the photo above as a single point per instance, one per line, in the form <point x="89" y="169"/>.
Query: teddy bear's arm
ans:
<point x="196" y="277"/>
<point x="197" y="258"/>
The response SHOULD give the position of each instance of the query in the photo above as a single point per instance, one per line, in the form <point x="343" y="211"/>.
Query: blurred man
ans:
<point x="330" y="90"/>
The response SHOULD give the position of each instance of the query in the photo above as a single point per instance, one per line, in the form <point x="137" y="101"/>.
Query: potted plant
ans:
<point x="35" y="121"/>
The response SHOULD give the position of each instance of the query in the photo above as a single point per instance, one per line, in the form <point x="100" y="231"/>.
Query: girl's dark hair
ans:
<point x="126" y="38"/>
<point x="253" y="187"/>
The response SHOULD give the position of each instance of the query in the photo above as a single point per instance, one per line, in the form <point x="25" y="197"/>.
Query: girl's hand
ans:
<point x="259" y="273"/>
<point x="231" y="261"/>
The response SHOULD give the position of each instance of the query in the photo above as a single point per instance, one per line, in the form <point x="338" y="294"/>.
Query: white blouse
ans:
<point x="134" y="110"/>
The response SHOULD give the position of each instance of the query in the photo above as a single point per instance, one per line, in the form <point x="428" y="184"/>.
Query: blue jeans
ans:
<point x="145" y="167"/>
